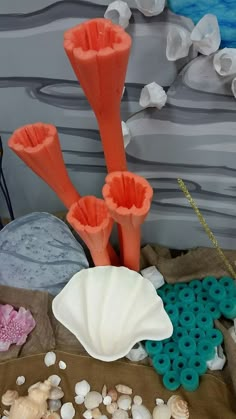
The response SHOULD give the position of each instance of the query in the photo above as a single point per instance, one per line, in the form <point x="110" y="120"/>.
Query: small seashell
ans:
<point x="92" y="399"/>
<point x="206" y="35"/>
<point x="119" y="13"/>
<point x="233" y="88"/>
<point x="56" y="393"/>
<point x="120" y="414"/>
<point x="123" y="389"/>
<point x="126" y="133"/>
<point x="9" y="397"/>
<point x="54" y="405"/>
<point x="137" y="353"/>
<point x="178" y="407"/>
<point x="79" y="399"/>
<point x="54" y="380"/>
<point x="124" y="402"/>
<point x="153" y="96"/>
<point x="159" y="401"/>
<point x="107" y="400"/>
<point x="111" y="408"/>
<point x="178" y="43"/>
<point x="162" y="411"/>
<point x="150" y="7"/>
<point x="50" y="359"/>
<point x="82" y="388"/>
<point x="51" y="415"/>
<point x="225" y="62"/>
<point x="104" y="391"/>
<point x="67" y="411"/>
<point x="113" y="393"/>
<point x="96" y="413"/>
<point x="137" y="400"/>
<point x="20" y="380"/>
<point x="87" y="414"/>
<point x="141" y="412"/>
<point x="62" y="365"/>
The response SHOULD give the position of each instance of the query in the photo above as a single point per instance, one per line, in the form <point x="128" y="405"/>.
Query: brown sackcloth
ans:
<point x="211" y="401"/>
<point x="42" y="337"/>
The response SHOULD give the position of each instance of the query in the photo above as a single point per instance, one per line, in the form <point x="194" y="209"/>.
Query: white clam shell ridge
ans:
<point x="206" y="35"/>
<point x="109" y="309"/>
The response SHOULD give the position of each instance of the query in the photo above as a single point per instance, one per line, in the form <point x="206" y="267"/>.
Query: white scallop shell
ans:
<point x="119" y="13"/>
<point x="67" y="411"/>
<point x="140" y="412"/>
<point x="150" y="7"/>
<point x="82" y="388"/>
<point x="107" y="400"/>
<point x="120" y="414"/>
<point x="152" y="96"/>
<point x="178" y="43"/>
<point x="225" y="62"/>
<point x="92" y="399"/>
<point x="87" y="414"/>
<point x="206" y="35"/>
<point x="50" y="359"/>
<point x="178" y="407"/>
<point x="111" y="308"/>
<point x="161" y="411"/>
<point x="124" y="402"/>
<point x="137" y="400"/>
<point x="79" y="399"/>
<point x="54" y="380"/>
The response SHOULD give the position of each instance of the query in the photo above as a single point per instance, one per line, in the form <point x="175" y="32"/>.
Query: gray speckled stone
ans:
<point x="38" y="251"/>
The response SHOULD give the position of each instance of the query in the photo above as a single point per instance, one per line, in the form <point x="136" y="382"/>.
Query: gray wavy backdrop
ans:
<point x="193" y="137"/>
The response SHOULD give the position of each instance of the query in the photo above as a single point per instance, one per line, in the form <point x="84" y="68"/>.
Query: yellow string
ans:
<point x="206" y="228"/>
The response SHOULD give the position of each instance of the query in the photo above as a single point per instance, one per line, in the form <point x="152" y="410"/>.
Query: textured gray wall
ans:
<point x="192" y="137"/>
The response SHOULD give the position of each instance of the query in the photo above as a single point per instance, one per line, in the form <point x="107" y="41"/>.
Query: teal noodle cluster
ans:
<point x="224" y="10"/>
<point x="192" y="308"/>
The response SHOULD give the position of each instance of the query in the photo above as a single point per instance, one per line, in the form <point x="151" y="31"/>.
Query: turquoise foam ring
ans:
<point x="196" y="285"/>
<point x="217" y="292"/>
<point x="178" y="333"/>
<point x="208" y="281"/>
<point x="197" y="307"/>
<point x="173" y="313"/>
<point x="161" y="363"/>
<point x="171" y="297"/>
<point x="205" y="349"/>
<point x="179" y="286"/>
<point x="228" y="308"/>
<point x="153" y="347"/>
<point x="198" y="363"/>
<point x="167" y="287"/>
<point x="179" y="305"/>
<point x="212" y="308"/>
<point x="203" y="297"/>
<point x="189" y="379"/>
<point x="179" y="363"/>
<point x="227" y="282"/>
<point x="197" y="334"/>
<point x="204" y="321"/>
<point x="171" y="349"/>
<point x="187" y="319"/>
<point x="215" y="336"/>
<point x="171" y="380"/>
<point x="187" y="296"/>
<point x="187" y="346"/>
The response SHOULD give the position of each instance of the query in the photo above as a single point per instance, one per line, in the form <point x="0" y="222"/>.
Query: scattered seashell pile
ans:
<point x="44" y="401"/>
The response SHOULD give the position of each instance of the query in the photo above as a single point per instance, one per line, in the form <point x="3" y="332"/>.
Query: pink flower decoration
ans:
<point x="14" y="326"/>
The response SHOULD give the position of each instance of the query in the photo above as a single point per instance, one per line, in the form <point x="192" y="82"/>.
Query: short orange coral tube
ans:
<point x="99" y="51"/>
<point x="90" y="218"/>
<point x="38" y="146"/>
<point x="128" y="198"/>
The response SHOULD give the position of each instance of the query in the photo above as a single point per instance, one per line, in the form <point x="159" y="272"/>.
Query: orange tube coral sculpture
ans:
<point x="99" y="51"/>
<point x="128" y="198"/>
<point x="91" y="220"/>
<point x="38" y="146"/>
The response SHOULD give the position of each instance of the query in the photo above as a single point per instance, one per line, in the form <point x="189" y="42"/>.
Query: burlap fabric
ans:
<point x="211" y="401"/>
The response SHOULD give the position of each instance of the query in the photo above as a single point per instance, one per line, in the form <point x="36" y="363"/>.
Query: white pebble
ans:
<point x="50" y="359"/>
<point x="20" y="380"/>
<point x="54" y="380"/>
<point x="67" y="411"/>
<point x="62" y="365"/>
<point x="107" y="400"/>
<point x="137" y="400"/>
<point x="87" y="414"/>
<point x="82" y="388"/>
<point x="159" y="401"/>
<point x="79" y="399"/>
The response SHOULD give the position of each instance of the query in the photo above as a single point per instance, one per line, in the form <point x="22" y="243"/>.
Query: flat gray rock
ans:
<point x="38" y="251"/>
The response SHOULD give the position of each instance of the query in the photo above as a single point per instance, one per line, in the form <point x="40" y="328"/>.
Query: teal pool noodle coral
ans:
<point x="225" y="10"/>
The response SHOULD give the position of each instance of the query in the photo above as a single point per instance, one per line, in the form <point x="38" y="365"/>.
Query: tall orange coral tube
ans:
<point x="99" y="51"/>
<point x="128" y="198"/>
<point x="38" y="146"/>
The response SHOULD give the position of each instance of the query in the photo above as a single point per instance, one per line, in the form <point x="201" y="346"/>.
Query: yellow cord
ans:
<point x="206" y="228"/>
